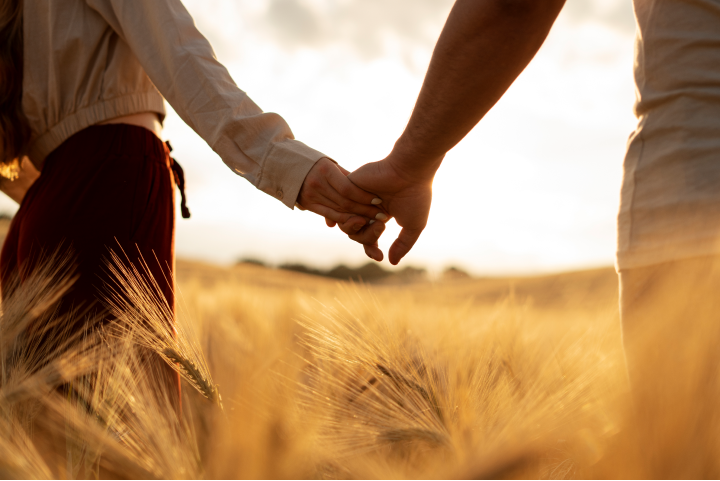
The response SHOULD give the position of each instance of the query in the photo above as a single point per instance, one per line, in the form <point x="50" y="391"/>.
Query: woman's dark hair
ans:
<point x="14" y="128"/>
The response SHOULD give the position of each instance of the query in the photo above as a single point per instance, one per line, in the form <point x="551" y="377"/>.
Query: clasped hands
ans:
<point x="360" y="202"/>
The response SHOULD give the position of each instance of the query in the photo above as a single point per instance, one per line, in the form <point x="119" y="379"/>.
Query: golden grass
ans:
<point x="319" y="379"/>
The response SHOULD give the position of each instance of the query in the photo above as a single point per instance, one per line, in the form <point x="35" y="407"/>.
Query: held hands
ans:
<point x="327" y="191"/>
<point x="406" y="196"/>
<point x="344" y="198"/>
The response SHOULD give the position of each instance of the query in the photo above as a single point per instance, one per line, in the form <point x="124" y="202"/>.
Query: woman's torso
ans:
<point x="78" y="72"/>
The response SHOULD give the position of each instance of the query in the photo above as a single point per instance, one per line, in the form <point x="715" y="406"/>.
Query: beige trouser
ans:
<point x="671" y="331"/>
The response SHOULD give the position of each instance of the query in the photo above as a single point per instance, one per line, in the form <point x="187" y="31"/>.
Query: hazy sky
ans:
<point x="534" y="187"/>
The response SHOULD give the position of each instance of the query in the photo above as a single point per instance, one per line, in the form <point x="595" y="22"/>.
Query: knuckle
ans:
<point x="346" y="190"/>
<point x="359" y="238"/>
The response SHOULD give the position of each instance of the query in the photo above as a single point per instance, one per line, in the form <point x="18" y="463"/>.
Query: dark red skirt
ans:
<point x="107" y="187"/>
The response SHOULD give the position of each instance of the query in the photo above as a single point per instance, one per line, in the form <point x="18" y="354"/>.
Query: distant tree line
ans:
<point x="371" y="272"/>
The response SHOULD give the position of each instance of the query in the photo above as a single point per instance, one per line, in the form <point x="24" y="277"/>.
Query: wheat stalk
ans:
<point x="141" y="309"/>
<point x="195" y="377"/>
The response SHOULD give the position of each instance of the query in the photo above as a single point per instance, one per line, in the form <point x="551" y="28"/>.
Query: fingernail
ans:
<point x="381" y="216"/>
<point x="357" y="227"/>
<point x="376" y="201"/>
<point x="371" y="222"/>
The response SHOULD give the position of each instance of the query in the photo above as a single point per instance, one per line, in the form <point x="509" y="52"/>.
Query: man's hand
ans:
<point x="406" y="196"/>
<point x="328" y="192"/>
<point x="483" y="47"/>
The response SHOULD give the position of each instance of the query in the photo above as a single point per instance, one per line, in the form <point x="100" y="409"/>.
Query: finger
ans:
<point x="328" y="213"/>
<point x="370" y="234"/>
<point x="333" y="200"/>
<point x="402" y="245"/>
<point x="347" y="205"/>
<point x="350" y="206"/>
<point x="348" y="222"/>
<point x="320" y="197"/>
<point x="334" y="190"/>
<point x="350" y="191"/>
<point x="343" y="170"/>
<point x="353" y="225"/>
<point x="373" y="252"/>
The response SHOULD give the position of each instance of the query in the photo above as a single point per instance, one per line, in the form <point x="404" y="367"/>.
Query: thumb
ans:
<point x="373" y="252"/>
<point x="402" y="245"/>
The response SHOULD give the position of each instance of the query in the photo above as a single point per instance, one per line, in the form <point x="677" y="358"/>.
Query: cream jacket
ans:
<point x="87" y="61"/>
<point x="670" y="201"/>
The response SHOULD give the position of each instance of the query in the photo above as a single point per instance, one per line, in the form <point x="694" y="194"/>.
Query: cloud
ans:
<point x="623" y="18"/>
<point x="371" y="27"/>
<point x="368" y="28"/>
<point x="363" y="25"/>
<point x="616" y="14"/>
<point x="293" y="23"/>
<point x="307" y="60"/>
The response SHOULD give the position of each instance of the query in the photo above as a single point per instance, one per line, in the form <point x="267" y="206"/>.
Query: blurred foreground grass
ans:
<point x="477" y="377"/>
<point x="469" y="378"/>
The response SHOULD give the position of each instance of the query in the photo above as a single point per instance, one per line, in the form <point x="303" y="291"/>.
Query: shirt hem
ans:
<point x="98" y="112"/>
<point x="633" y="260"/>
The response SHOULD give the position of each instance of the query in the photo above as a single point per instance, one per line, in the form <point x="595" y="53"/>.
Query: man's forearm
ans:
<point x="482" y="49"/>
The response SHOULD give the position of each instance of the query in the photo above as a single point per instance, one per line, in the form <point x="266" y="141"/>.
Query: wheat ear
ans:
<point x="206" y="388"/>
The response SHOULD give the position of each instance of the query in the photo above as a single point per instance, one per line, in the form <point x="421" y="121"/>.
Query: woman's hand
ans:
<point x="328" y="192"/>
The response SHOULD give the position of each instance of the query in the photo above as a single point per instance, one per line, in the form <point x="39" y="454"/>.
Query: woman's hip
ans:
<point x="106" y="188"/>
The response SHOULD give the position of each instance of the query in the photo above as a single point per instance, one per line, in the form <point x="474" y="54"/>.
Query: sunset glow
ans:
<point x="534" y="187"/>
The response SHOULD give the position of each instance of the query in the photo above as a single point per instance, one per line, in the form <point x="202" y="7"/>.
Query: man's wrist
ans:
<point x="413" y="166"/>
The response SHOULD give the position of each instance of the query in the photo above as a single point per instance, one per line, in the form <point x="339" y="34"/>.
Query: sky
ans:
<point x="533" y="188"/>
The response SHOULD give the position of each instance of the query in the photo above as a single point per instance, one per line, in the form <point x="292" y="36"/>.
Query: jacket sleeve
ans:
<point x="181" y="63"/>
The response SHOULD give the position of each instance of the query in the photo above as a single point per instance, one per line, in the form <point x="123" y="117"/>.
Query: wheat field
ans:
<point x="287" y="375"/>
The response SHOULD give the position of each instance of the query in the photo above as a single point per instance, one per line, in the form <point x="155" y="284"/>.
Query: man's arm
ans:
<point x="482" y="49"/>
<point x="484" y="46"/>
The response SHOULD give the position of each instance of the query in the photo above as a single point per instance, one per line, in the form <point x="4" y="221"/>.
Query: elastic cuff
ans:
<point x="285" y="168"/>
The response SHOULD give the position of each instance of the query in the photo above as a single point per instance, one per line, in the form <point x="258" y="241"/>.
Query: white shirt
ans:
<point x="87" y="61"/>
<point x="670" y="200"/>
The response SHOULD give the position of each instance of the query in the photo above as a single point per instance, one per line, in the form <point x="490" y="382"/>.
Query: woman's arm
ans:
<point x="254" y="144"/>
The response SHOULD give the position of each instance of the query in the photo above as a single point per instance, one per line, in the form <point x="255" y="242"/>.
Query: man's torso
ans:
<point x="670" y="202"/>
